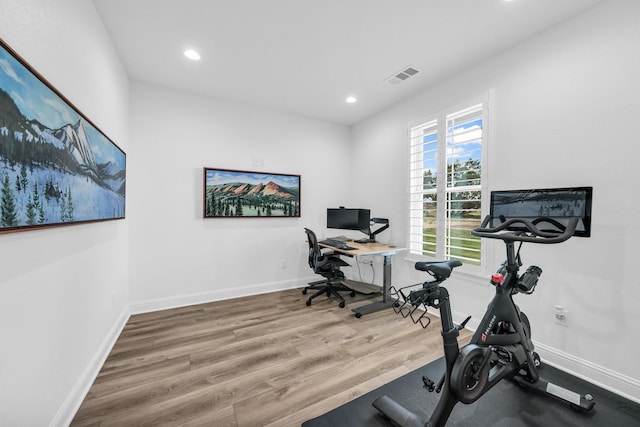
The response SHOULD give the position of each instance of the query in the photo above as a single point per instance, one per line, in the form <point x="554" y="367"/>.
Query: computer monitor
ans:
<point x="557" y="204"/>
<point x="356" y="219"/>
<point x="349" y="219"/>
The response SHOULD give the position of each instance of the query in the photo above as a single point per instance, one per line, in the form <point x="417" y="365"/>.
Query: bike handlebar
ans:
<point x="532" y="234"/>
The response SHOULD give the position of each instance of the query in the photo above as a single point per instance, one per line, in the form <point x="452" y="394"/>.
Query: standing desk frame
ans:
<point x="373" y="249"/>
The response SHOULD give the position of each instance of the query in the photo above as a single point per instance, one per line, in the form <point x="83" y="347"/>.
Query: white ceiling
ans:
<point x="307" y="56"/>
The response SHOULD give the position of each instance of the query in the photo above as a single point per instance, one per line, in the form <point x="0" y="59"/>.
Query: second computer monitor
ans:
<point x="349" y="219"/>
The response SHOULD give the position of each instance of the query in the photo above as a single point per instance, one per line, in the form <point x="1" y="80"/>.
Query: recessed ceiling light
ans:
<point x="192" y="54"/>
<point x="351" y="99"/>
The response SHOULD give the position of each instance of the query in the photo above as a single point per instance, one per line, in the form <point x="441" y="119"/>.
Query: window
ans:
<point x="447" y="179"/>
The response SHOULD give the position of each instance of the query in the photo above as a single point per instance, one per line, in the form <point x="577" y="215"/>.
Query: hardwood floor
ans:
<point x="264" y="360"/>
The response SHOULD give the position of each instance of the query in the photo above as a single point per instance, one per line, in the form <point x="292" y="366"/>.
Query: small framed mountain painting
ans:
<point x="56" y="167"/>
<point x="237" y="193"/>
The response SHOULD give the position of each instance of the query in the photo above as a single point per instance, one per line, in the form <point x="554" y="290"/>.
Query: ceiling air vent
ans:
<point x="403" y="75"/>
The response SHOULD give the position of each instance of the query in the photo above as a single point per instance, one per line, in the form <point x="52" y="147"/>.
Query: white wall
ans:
<point x="176" y="256"/>
<point x="566" y="109"/>
<point x="63" y="291"/>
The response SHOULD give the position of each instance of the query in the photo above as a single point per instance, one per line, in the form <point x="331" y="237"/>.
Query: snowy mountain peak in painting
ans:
<point x="69" y="145"/>
<point x="74" y="139"/>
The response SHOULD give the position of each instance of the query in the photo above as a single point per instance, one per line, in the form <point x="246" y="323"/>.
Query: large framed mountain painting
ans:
<point x="56" y="167"/>
<point x="236" y="193"/>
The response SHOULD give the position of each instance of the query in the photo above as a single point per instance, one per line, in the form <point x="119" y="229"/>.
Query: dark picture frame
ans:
<point x="56" y="166"/>
<point x="231" y="193"/>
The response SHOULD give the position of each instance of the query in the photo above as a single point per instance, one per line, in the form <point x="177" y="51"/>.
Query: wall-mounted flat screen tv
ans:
<point x="557" y="204"/>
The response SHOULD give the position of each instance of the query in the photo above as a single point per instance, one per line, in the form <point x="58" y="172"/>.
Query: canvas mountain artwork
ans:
<point x="55" y="166"/>
<point x="249" y="194"/>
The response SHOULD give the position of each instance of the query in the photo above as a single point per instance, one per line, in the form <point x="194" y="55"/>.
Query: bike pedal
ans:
<point x="428" y="383"/>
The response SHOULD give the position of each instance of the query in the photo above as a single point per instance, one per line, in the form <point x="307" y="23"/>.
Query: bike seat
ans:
<point x="440" y="269"/>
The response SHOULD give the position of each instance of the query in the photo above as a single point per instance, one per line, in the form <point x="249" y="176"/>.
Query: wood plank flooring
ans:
<point x="264" y="360"/>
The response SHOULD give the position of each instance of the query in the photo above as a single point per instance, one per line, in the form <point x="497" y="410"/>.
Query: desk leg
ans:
<point x="386" y="300"/>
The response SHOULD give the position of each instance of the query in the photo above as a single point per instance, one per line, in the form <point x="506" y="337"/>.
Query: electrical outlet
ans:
<point x="561" y="315"/>
<point x="366" y="260"/>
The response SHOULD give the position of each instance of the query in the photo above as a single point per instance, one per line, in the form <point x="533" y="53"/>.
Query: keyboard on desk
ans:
<point x="337" y="244"/>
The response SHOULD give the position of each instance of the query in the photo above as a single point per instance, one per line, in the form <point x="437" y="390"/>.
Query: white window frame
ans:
<point x="416" y="192"/>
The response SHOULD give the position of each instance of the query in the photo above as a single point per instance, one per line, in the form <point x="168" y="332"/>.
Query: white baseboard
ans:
<point x="615" y="382"/>
<point x="72" y="403"/>
<point x="216" y="295"/>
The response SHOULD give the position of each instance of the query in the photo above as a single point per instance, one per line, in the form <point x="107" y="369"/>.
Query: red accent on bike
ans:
<point x="497" y="278"/>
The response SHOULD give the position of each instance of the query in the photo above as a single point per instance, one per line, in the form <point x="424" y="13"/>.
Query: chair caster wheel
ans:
<point x="304" y="291"/>
<point x="358" y="315"/>
<point x="342" y="304"/>
<point x="352" y="294"/>
<point x="308" y="302"/>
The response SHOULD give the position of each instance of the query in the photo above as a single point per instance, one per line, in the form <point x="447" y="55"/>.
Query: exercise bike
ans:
<point x="501" y="347"/>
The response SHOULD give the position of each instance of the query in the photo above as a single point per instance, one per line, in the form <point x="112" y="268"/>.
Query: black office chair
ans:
<point x="327" y="264"/>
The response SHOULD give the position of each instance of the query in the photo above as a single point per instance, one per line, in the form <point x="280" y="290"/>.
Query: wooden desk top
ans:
<point x="362" y="249"/>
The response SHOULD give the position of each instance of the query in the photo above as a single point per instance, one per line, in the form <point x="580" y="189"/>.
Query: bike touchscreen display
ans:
<point x="557" y="204"/>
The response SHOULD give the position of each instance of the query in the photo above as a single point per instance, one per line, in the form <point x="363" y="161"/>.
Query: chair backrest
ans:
<point x="326" y="264"/>
<point x="314" y="249"/>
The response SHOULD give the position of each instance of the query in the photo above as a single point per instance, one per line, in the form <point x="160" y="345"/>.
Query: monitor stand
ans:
<point x="372" y="234"/>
